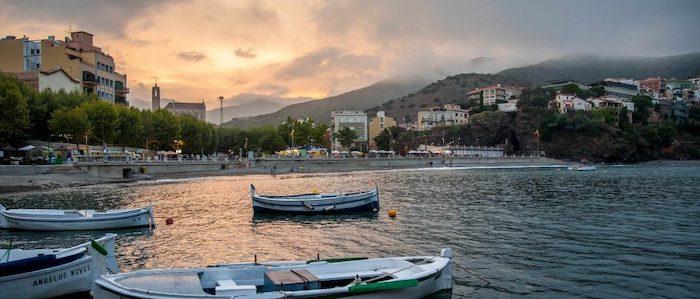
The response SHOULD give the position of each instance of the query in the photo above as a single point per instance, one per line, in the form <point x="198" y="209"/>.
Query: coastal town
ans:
<point x="76" y="64"/>
<point x="349" y="149"/>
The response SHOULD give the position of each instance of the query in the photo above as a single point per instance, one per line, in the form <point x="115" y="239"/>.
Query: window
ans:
<point x="38" y="51"/>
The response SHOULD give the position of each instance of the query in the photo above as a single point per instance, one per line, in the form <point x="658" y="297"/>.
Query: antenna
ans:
<point x="155" y="79"/>
<point x="221" y="110"/>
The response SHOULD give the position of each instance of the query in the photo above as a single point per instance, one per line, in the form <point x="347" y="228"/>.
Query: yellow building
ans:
<point x="76" y="56"/>
<point x="377" y="125"/>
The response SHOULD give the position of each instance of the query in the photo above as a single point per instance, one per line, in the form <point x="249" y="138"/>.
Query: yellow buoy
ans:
<point x="392" y="213"/>
<point x="314" y="191"/>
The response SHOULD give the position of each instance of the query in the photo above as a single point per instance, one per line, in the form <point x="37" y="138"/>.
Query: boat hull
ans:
<point x="73" y="277"/>
<point x="69" y="278"/>
<point x="368" y="201"/>
<point x="435" y="279"/>
<point x="582" y="168"/>
<point x="138" y="218"/>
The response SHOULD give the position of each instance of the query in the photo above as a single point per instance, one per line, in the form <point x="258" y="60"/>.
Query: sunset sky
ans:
<point x="203" y="49"/>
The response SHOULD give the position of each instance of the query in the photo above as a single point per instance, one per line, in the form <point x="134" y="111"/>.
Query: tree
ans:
<point x="195" y="135"/>
<point x="345" y="136"/>
<point x="14" y="111"/>
<point x="319" y="136"/>
<point x="598" y="91"/>
<point x="624" y="120"/>
<point x="569" y="89"/>
<point x="387" y="139"/>
<point x="103" y="118"/>
<point x="271" y="141"/>
<point x="71" y="124"/>
<point x="606" y="114"/>
<point x="161" y="129"/>
<point x="642" y="103"/>
<point x="130" y="129"/>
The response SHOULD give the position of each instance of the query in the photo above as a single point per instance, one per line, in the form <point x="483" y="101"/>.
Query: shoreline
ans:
<point x="71" y="176"/>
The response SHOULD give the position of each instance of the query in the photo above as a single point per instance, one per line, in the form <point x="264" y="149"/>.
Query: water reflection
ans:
<point x="619" y="231"/>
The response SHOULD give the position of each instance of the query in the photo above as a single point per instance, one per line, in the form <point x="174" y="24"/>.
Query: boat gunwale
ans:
<point x="123" y="215"/>
<point x="317" y="196"/>
<point x="295" y="203"/>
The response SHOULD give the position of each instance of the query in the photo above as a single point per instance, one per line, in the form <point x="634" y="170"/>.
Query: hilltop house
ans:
<point x="494" y="94"/>
<point x="568" y="102"/>
<point x="448" y="115"/>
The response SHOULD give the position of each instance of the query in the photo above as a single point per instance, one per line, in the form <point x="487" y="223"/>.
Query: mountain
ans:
<point x="320" y="110"/>
<point x="585" y="69"/>
<point x="250" y="105"/>
<point x="589" y="68"/>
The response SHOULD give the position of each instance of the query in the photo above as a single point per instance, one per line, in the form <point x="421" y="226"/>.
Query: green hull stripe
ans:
<point x="383" y="286"/>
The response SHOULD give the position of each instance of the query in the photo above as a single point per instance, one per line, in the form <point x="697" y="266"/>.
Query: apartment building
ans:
<point x="76" y="57"/>
<point x="569" y="102"/>
<point x="448" y="115"/>
<point x="356" y="121"/>
<point x="377" y="125"/>
<point x="494" y="94"/>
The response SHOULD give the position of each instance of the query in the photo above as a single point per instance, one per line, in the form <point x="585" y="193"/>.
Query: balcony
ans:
<point x="119" y="88"/>
<point x="89" y="79"/>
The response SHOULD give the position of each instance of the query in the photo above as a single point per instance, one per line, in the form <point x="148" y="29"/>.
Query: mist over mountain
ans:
<point x="320" y="110"/>
<point x="590" y="68"/>
<point x="248" y="104"/>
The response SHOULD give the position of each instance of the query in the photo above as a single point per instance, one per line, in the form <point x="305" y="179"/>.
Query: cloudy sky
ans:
<point x="203" y="49"/>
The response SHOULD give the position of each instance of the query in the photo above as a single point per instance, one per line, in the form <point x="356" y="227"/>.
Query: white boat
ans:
<point x="46" y="219"/>
<point x="315" y="202"/>
<point x="47" y="273"/>
<point x="395" y="277"/>
<point x="581" y="168"/>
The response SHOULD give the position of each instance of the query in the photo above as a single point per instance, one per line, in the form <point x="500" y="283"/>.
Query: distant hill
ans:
<point x="588" y="69"/>
<point x="584" y="69"/>
<point x="401" y="100"/>
<point x="451" y="90"/>
<point x="251" y="105"/>
<point x="320" y="110"/>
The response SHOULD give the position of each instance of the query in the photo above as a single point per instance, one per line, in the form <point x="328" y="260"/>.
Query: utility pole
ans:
<point x="221" y="109"/>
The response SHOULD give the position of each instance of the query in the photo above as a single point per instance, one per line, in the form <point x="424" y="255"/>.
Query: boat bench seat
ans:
<point x="228" y="287"/>
<point x="290" y="280"/>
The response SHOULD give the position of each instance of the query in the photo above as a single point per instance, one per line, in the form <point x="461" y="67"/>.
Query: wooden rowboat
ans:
<point x="47" y="273"/>
<point x="314" y="203"/>
<point x="394" y="277"/>
<point x="53" y="220"/>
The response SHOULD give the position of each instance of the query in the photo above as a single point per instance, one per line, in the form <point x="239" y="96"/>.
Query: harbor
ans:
<point x="513" y="228"/>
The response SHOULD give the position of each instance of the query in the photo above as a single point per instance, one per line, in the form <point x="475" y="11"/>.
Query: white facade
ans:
<point x="355" y="120"/>
<point x="494" y="94"/>
<point x="511" y="106"/>
<point x="58" y="80"/>
<point x="449" y="115"/>
<point x="568" y="102"/>
<point x="611" y="101"/>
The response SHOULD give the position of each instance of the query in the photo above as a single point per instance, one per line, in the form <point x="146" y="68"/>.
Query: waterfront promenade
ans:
<point x="18" y="178"/>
